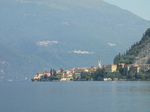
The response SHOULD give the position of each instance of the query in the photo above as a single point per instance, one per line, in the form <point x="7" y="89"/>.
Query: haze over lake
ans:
<point x="39" y="35"/>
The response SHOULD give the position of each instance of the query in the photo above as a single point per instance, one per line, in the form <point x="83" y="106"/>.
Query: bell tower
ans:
<point x="99" y="62"/>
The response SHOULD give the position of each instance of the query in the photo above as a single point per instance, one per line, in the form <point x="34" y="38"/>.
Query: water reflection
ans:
<point x="91" y="96"/>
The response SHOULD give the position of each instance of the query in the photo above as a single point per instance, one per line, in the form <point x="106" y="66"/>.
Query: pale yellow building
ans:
<point x="111" y="68"/>
<point x="38" y="76"/>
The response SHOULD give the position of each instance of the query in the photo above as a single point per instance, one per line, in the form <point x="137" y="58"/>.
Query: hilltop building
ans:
<point x="137" y="67"/>
<point x="121" y="65"/>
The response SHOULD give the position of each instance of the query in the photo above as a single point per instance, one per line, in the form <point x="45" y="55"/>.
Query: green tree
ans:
<point x="99" y="75"/>
<point x="61" y="70"/>
<point x="51" y="72"/>
<point x="85" y="76"/>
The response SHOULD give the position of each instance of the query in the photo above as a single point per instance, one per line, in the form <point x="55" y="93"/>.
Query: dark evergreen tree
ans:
<point x="51" y="72"/>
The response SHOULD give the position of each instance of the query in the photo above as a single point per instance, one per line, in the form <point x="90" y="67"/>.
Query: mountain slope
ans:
<point x="139" y="53"/>
<point x="45" y="34"/>
<point x="144" y="53"/>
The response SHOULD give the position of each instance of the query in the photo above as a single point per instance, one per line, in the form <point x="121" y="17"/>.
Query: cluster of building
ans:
<point x="67" y="75"/>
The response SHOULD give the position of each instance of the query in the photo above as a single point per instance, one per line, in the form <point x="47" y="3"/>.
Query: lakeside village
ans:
<point x="111" y="72"/>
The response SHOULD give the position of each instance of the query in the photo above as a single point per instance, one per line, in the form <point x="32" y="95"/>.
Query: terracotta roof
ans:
<point x="136" y="66"/>
<point x="121" y="63"/>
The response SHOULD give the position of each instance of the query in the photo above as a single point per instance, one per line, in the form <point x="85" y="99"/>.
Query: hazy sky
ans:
<point x="138" y="7"/>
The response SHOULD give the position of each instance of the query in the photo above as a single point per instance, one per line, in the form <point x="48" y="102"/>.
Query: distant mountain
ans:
<point x="139" y="53"/>
<point x="37" y="35"/>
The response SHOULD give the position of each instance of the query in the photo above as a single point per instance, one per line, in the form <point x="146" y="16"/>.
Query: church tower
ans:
<point x="99" y="62"/>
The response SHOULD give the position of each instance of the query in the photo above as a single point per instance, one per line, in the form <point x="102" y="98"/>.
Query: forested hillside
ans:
<point x="139" y="53"/>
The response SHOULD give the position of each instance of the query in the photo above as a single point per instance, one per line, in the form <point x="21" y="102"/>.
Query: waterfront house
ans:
<point x="47" y="73"/>
<point x="36" y="77"/>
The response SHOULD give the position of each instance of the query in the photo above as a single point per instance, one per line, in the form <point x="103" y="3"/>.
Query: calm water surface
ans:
<point x="121" y="96"/>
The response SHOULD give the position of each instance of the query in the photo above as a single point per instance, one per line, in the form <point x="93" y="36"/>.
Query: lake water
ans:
<point x="94" y="96"/>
